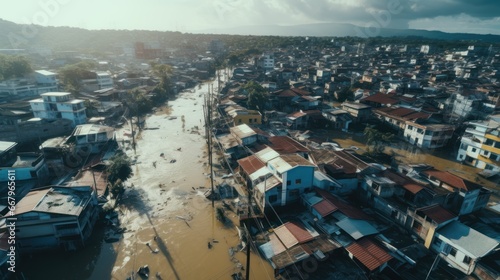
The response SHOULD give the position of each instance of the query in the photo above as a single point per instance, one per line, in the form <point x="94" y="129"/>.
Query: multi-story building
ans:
<point x="480" y="145"/>
<point x="266" y="61"/>
<point x="39" y="82"/>
<point x="25" y="166"/>
<point x="59" y="105"/>
<point x="429" y="136"/>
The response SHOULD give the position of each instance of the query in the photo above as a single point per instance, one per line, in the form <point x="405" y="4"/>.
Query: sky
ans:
<point x="468" y="16"/>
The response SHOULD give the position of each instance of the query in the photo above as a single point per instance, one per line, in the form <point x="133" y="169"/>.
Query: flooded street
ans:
<point x="164" y="198"/>
<point x="407" y="154"/>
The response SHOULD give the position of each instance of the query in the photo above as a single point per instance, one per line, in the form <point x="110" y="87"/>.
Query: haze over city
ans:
<point x="197" y="16"/>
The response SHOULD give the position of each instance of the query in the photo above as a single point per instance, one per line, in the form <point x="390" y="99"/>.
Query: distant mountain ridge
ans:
<point x="22" y="36"/>
<point x="346" y="29"/>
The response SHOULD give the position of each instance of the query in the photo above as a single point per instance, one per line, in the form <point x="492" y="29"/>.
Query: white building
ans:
<point x="461" y="246"/>
<point x="59" y="105"/>
<point x="266" y="61"/>
<point x="40" y="82"/>
<point x="104" y="80"/>
<point x="92" y="136"/>
<point x="480" y="145"/>
<point x="428" y="136"/>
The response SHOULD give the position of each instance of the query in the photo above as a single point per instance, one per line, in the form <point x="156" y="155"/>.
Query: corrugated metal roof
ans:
<point x="286" y="145"/>
<point x="250" y="164"/>
<point x="267" y="154"/>
<point x="357" y="228"/>
<point x="413" y="188"/>
<point x="468" y="239"/>
<point x="29" y="202"/>
<point x="299" y="232"/>
<point x="451" y="179"/>
<point x="242" y="131"/>
<point x="345" y="208"/>
<point x="285" y="236"/>
<point x="324" y="207"/>
<point x="436" y="213"/>
<point x="368" y="253"/>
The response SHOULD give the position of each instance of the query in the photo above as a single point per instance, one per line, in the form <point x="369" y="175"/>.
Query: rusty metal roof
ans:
<point x="250" y="164"/>
<point x="368" y="253"/>
<point x="298" y="230"/>
<point x="324" y="207"/>
<point x="437" y="213"/>
<point x="286" y="145"/>
<point x="451" y="180"/>
<point x="344" y="207"/>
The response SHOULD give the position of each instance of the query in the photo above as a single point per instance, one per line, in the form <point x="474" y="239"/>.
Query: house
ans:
<point x="57" y="105"/>
<point x="359" y="111"/>
<point x="340" y="119"/>
<point x="467" y="196"/>
<point x="92" y="137"/>
<point x="380" y="100"/>
<point x="370" y="255"/>
<point x="245" y="116"/>
<point x="40" y="81"/>
<point x="305" y="119"/>
<point x="461" y="246"/>
<point x="294" y="243"/>
<point x="480" y="146"/>
<point x="284" y="180"/>
<point x="430" y="136"/>
<point x="425" y="221"/>
<point x="55" y="217"/>
<point x="23" y="166"/>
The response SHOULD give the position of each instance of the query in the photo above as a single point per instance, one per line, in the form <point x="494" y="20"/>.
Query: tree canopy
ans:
<point x="71" y="75"/>
<point x="119" y="170"/>
<point x="376" y="140"/>
<point x="257" y="96"/>
<point x="14" y="67"/>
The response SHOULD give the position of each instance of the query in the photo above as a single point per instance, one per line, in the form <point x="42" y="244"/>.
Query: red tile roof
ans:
<point x="437" y="213"/>
<point x="413" y="188"/>
<point x="250" y="164"/>
<point x="451" y="180"/>
<point x="346" y="209"/>
<point x="324" y="208"/>
<point x="368" y="253"/>
<point x="298" y="230"/>
<point x="286" y="145"/>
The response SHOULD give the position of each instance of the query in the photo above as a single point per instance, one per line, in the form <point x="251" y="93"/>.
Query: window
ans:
<point x="273" y="198"/>
<point x="437" y="242"/>
<point x="288" y="183"/>
<point x="453" y="251"/>
<point x="251" y="120"/>
<point x="298" y="181"/>
<point x="467" y="260"/>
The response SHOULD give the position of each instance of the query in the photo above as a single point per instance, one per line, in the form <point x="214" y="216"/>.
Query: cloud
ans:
<point x="462" y="23"/>
<point x="360" y="12"/>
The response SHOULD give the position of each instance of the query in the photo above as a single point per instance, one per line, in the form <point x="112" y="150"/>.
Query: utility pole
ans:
<point x="249" y="238"/>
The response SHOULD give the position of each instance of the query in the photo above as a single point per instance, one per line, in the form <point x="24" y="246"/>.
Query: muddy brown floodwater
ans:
<point x="165" y="199"/>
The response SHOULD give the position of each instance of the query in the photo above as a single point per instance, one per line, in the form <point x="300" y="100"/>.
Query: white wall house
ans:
<point x="266" y="61"/>
<point x="480" y="146"/>
<point x="461" y="246"/>
<point x="26" y="166"/>
<point x="39" y="82"/>
<point x="59" y="105"/>
<point x="428" y="136"/>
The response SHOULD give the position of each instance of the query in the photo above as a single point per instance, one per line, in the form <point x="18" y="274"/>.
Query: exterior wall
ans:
<point x="442" y="245"/>
<point x="39" y="171"/>
<point x="56" y="107"/>
<point x="250" y="119"/>
<point x="426" y="138"/>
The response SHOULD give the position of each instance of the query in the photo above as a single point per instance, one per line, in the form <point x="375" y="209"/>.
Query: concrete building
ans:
<point x="57" y="105"/>
<point x="429" y="136"/>
<point x="480" y="146"/>
<point x="41" y="81"/>
<point x="55" y="217"/>
<point x="92" y="137"/>
<point x="27" y="166"/>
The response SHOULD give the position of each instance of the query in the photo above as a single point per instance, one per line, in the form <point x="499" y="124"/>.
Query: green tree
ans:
<point x="71" y="75"/>
<point x="118" y="170"/>
<point x="164" y="88"/>
<point x="14" y="67"/>
<point x="376" y="140"/>
<point x="257" y="96"/>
